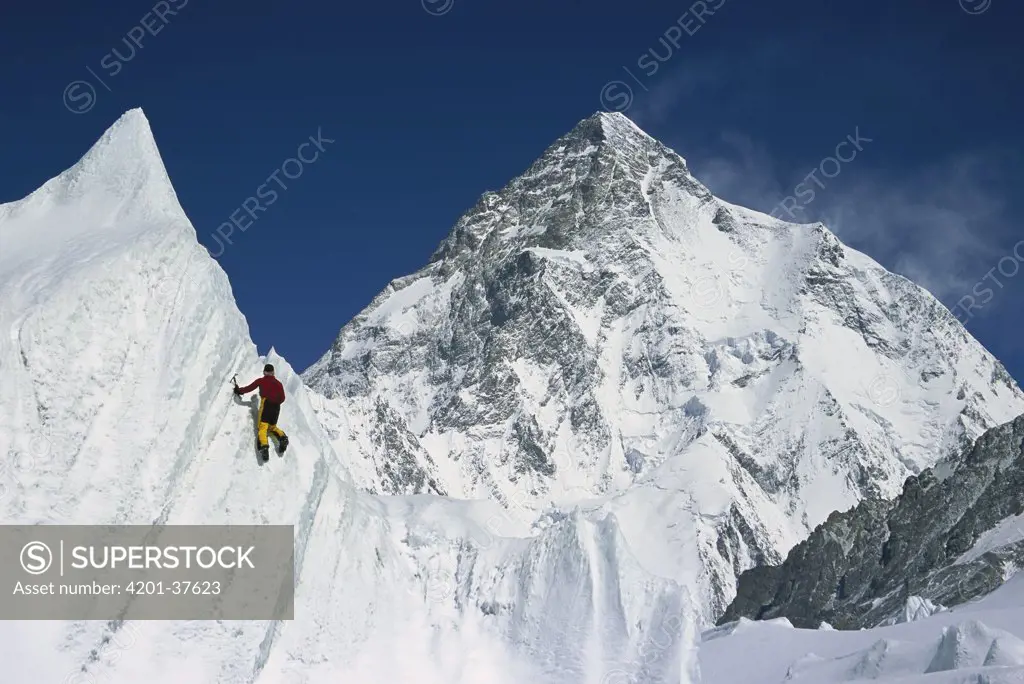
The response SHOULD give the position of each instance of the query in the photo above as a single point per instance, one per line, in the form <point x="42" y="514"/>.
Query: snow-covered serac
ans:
<point x="118" y="337"/>
<point x="605" y="332"/>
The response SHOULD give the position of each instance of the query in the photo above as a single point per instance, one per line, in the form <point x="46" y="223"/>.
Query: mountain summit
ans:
<point x="604" y="333"/>
<point x="124" y="164"/>
<point x="115" y="189"/>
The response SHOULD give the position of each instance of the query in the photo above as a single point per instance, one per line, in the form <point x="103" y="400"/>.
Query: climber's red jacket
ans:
<point x="271" y="388"/>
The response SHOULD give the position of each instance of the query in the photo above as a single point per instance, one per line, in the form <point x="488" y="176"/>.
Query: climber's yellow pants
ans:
<point x="266" y="427"/>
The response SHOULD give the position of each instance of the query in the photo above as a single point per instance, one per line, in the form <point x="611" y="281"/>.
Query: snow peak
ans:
<point x="291" y="168"/>
<point x="165" y="557"/>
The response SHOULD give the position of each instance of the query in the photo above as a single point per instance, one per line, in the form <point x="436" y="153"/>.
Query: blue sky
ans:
<point x="431" y="102"/>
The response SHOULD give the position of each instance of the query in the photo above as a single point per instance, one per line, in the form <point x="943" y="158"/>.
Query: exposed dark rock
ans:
<point x="858" y="568"/>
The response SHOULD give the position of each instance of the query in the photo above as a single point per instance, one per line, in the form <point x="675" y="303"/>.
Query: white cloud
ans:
<point x="944" y="226"/>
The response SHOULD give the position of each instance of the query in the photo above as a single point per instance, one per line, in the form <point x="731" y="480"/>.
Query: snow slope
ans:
<point x="605" y="333"/>
<point x="118" y="336"/>
<point x="975" y="643"/>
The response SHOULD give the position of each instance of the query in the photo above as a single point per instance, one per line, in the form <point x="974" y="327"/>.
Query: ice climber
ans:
<point x="271" y="398"/>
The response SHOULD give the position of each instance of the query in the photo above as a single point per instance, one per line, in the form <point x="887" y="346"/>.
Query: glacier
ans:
<point x="118" y="336"/>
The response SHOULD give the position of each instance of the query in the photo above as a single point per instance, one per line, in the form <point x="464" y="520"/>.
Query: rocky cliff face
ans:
<point x="955" y="533"/>
<point x="605" y="333"/>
